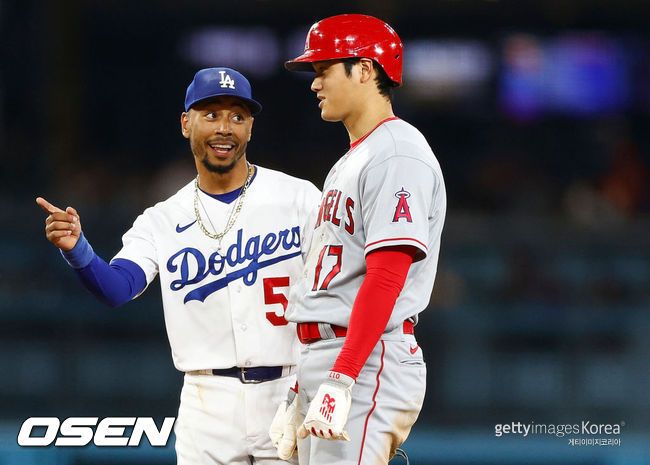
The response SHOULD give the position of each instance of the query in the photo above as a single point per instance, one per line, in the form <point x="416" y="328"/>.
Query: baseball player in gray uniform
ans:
<point x="226" y="247"/>
<point x="372" y="261"/>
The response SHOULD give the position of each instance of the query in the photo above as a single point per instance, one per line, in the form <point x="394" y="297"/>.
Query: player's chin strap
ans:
<point x="400" y="453"/>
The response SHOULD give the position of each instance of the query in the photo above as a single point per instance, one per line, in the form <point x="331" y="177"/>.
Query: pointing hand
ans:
<point x="62" y="228"/>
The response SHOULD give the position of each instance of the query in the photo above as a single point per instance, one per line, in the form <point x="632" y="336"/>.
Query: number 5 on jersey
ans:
<point x="332" y="251"/>
<point x="271" y="297"/>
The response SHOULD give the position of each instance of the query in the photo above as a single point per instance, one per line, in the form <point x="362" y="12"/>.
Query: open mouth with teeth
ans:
<point x="222" y="149"/>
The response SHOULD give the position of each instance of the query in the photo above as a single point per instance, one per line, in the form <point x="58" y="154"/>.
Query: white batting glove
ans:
<point x="285" y="425"/>
<point x="328" y="411"/>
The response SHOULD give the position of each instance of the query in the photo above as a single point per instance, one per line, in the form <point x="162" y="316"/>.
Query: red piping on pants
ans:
<point x="374" y="402"/>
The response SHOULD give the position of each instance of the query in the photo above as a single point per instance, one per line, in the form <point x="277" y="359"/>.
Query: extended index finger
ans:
<point x="47" y="206"/>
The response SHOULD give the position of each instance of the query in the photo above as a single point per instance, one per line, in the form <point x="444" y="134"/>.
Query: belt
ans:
<point x="312" y="332"/>
<point x="245" y="375"/>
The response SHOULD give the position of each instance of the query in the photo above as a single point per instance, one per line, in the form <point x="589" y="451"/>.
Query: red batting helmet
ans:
<point x="346" y="36"/>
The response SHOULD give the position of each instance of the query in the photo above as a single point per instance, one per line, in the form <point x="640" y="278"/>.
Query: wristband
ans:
<point x="80" y="255"/>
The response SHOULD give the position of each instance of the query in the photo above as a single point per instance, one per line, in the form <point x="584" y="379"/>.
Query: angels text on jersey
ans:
<point x="335" y="211"/>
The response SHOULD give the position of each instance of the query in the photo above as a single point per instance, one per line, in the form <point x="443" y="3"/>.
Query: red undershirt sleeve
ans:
<point x="386" y="272"/>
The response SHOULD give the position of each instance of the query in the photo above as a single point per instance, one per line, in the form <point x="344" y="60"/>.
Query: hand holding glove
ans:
<point x="285" y="424"/>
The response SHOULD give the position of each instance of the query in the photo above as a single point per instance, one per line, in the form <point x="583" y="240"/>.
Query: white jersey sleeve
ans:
<point x="139" y="246"/>
<point x="397" y="195"/>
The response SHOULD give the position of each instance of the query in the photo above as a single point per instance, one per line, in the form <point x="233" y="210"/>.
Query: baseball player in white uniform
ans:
<point x="226" y="246"/>
<point x="372" y="261"/>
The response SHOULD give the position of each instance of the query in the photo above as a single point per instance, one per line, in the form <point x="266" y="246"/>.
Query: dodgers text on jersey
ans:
<point x="194" y="267"/>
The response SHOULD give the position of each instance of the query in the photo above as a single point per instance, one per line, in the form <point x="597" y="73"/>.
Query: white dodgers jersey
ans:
<point x="225" y="307"/>
<point x="387" y="190"/>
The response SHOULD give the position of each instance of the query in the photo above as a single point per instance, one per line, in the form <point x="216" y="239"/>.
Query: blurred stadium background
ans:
<point x="539" y="112"/>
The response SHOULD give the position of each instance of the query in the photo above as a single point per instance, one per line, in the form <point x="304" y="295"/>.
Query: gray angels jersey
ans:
<point x="387" y="190"/>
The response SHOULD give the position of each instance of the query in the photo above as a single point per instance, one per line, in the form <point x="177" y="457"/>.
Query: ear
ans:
<point x="185" y="125"/>
<point x="366" y="66"/>
<point x="250" y="129"/>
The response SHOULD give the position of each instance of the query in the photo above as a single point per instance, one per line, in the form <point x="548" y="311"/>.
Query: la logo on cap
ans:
<point x="226" y="80"/>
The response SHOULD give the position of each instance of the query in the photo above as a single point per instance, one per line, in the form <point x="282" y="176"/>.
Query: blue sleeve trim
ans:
<point x="135" y="274"/>
<point x="113" y="284"/>
<point x="80" y="255"/>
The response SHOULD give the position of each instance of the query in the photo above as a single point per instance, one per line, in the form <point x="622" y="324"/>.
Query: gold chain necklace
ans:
<point x="234" y="212"/>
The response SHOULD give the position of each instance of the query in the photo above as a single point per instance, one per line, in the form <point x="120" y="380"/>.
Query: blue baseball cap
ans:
<point x="213" y="82"/>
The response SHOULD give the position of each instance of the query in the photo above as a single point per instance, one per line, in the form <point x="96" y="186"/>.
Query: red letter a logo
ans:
<point x="402" y="209"/>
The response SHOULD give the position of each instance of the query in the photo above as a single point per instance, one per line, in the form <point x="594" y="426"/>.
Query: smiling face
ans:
<point x="219" y="130"/>
<point x="335" y="90"/>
